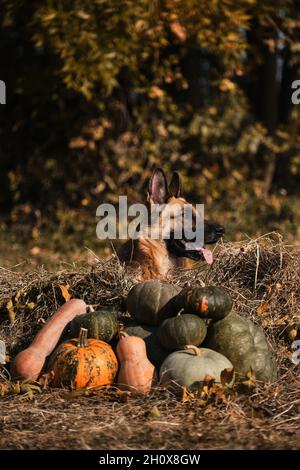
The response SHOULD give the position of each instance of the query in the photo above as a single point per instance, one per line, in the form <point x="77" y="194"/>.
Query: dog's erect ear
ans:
<point x="174" y="186"/>
<point x="158" y="187"/>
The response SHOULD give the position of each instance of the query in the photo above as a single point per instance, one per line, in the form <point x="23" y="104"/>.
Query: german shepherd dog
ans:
<point x="157" y="256"/>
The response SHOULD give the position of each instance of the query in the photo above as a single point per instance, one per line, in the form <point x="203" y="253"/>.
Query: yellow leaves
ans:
<point x="99" y="188"/>
<point x="76" y="393"/>
<point x="210" y="390"/>
<point x="140" y="26"/>
<point x="250" y="383"/>
<point x="11" y="311"/>
<point x="154" y="412"/>
<point x="162" y="131"/>
<point x="9" y="388"/>
<point x="227" y="85"/>
<point x="85" y="202"/>
<point x="186" y="394"/>
<point x="29" y="390"/>
<point x="208" y="174"/>
<point x="178" y="30"/>
<point x="49" y="16"/>
<point x="107" y="392"/>
<point x="18" y="302"/>
<point x="83" y="15"/>
<point x="65" y="292"/>
<point x="77" y="143"/>
<point x="156" y="92"/>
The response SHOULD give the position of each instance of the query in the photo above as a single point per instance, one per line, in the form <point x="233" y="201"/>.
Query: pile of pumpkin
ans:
<point x="189" y="335"/>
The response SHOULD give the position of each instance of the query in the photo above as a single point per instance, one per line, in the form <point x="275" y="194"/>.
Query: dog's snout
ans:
<point x="220" y="230"/>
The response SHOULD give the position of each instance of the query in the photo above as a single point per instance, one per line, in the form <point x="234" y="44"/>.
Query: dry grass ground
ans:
<point x="263" y="276"/>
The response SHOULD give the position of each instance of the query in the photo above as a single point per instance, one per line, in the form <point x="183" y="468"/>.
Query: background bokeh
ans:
<point x="99" y="92"/>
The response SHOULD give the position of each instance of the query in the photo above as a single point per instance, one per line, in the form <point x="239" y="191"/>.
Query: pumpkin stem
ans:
<point x="82" y="340"/>
<point x="123" y="334"/>
<point x="180" y="312"/>
<point x="190" y="348"/>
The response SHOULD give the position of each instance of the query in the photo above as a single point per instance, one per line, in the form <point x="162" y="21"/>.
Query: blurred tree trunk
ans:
<point x="196" y="69"/>
<point x="5" y="193"/>
<point x="266" y="90"/>
<point x="270" y="109"/>
<point x="289" y="74"/>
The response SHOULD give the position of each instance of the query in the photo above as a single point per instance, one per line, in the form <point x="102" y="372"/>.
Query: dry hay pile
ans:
<point x="263" y="277"/>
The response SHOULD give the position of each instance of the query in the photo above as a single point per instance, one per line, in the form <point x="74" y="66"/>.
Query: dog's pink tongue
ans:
<point x="207" y="254"/>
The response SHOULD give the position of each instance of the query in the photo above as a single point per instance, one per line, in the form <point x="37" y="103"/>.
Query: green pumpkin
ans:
<point x="245" y="345"/>
<point x="149" y="302"/>
<point x="155" y="352"/>
<point x="206" y="302"/>
<point x="191" y="366"/>
<point x="101" y="324"/>
<point x="176" y="332"/>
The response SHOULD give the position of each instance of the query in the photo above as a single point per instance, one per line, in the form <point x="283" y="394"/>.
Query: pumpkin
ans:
<point x="149" y="302"/>
<point x="191" y="366"/>
<point x="155" y="352"/>
<point x="29" y="363"/>
<point x="83" y="362"/>
<point x="207" y="302"/>
<point x="245" y="345"/>
<point x="177" y="332"/>
<point x="136" y="374"/>
<point x="101" y="324"/>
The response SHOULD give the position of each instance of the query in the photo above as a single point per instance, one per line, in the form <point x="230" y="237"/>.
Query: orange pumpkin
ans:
<point x="136" y="374"/>
<point x="80" y="363"/>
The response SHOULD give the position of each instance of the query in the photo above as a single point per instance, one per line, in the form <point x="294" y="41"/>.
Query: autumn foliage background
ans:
<point x="101" y="91"/>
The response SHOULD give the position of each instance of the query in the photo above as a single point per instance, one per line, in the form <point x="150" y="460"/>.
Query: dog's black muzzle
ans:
<point x="212" y="233"/>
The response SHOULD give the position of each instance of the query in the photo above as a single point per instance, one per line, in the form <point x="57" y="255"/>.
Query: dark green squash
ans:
<point x="101" y="324"/>
<point x="149" y="302"/>
<point x="245" y="345"/>
<point x="176" y="332"/>
<point x="206" y="302"/>
<point x="155" y="352"/>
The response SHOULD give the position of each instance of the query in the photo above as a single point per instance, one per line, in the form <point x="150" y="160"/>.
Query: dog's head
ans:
<point x="160" y="192"/>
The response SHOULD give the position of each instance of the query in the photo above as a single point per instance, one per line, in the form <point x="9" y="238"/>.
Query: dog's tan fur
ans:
<point x="158" y="253"/>
<point x="152" y="255"/>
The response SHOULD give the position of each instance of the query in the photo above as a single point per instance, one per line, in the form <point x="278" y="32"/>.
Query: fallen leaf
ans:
<point x="250" y="382"/>
<point x="292" y="331"/>
<point x="262" y="308"/>
<point x="11" y="312"/>
<point x="75" y="393"/>
<point x="227" y="376"/>
<point x="154" y="412"/>
<point x="30" y="388"/>
<point x="184" y="394"/>
<point x="65" y="293"/>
